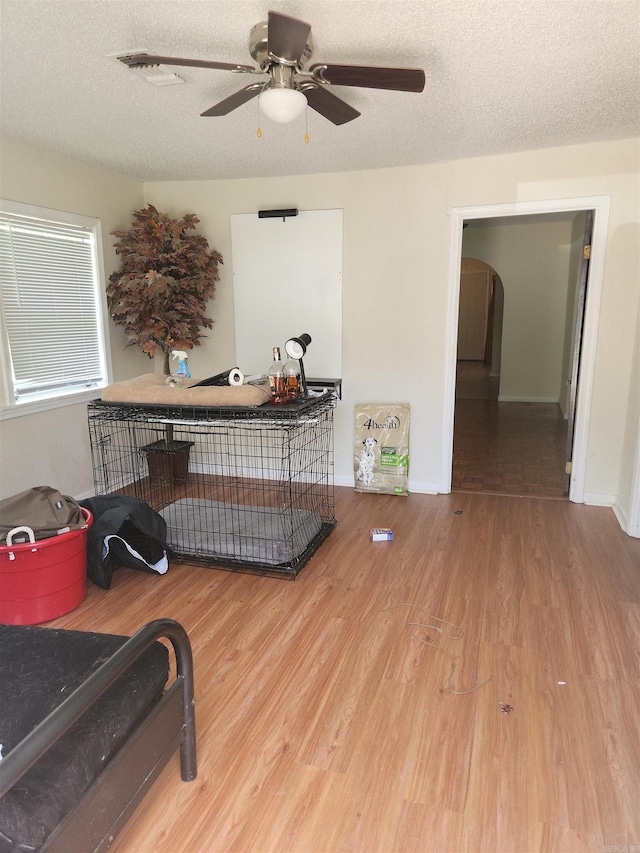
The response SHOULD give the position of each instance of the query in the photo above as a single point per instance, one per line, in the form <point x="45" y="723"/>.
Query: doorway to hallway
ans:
<point x="459" y="217"/>
<point x="513" y="416"/>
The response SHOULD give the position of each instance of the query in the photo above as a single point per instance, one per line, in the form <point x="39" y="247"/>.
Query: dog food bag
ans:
<point x="381" y="453"/>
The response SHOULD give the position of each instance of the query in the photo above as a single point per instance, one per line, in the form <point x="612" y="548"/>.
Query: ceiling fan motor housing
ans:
<point x="259" y="49"/>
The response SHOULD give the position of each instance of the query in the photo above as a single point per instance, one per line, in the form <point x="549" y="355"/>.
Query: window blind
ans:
<point x="50" y="306"/>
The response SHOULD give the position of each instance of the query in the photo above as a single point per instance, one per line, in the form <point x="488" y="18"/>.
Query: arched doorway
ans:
<point x="480" y="318"/>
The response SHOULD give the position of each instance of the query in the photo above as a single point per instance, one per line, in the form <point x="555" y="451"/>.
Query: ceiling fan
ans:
<point x="282" y="46"/>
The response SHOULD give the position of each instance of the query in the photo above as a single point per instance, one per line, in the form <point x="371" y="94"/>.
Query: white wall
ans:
<point x="395" y="279"/>
<point x="627" y="505"/>
<point x="52" y="447"/>
<point x="394" y="287"/>
<point x="532" y="259"/>
<point x="396" y="249"/>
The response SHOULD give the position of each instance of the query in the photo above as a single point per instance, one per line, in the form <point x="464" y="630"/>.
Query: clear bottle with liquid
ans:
<point x="292" y="378"/>
<point x="277" y="382"/>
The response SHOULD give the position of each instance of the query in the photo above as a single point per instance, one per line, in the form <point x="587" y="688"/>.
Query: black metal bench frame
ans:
<point x="105" y="807"/>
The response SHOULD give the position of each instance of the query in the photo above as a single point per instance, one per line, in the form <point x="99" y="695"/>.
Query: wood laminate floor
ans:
<point x="505" y="448"/>
<point x="325" y="719"/>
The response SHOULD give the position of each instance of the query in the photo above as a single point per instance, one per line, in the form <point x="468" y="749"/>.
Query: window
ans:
<point x="53" y="340"/>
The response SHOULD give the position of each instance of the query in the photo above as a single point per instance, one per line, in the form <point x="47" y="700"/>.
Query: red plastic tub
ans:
<point x="42" y="580"/>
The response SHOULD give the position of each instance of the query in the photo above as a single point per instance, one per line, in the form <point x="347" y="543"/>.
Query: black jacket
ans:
<point x="125" y="532"/>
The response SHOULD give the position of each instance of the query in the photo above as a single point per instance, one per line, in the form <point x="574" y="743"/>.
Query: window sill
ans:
<point x="7" y="412"/>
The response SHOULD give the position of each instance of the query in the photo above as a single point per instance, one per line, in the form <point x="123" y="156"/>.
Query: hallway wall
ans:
<point x="532" y="257"/>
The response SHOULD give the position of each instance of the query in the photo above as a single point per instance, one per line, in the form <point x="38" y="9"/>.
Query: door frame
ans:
<point x="631" y="524"/>
<point x="600" y="206"/>
<point x="576" y="344"/>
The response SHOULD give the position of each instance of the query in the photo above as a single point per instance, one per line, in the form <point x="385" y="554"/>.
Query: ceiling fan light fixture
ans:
<point x="282" y="105"/>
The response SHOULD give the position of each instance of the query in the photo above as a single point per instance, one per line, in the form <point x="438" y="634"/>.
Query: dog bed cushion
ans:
<point x="151" y="389"/>
<point x="255" y="534"/>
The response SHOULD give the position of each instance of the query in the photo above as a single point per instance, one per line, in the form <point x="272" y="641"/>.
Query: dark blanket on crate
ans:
<point x="39" y="668"/>
<point x="255" y="534"/>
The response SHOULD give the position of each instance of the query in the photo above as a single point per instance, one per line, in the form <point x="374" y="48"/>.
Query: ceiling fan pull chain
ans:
<point x="306" y="125"/>
<point x="259" y="133"/>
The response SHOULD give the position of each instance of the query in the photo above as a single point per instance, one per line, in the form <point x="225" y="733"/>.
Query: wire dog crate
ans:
<point x="242" y="488"/>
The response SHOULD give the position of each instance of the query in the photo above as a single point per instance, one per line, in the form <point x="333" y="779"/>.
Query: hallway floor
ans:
<point x="505" y="448"/>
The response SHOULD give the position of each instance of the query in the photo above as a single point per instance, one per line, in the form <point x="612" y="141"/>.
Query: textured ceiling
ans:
<point x="502" y="75"/>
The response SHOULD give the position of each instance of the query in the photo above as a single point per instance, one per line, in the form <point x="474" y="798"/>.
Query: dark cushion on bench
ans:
<point x="39" y="668"/>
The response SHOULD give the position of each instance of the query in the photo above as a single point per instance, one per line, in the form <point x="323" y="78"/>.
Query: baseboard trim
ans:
<point x="424" y="488"/>
<point x="414" y="488"/>
<point x="621" y="515"/>
<point x="599" y="500"/>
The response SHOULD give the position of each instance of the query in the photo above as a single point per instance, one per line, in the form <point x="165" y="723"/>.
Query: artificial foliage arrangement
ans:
<point x="167" y="277"/>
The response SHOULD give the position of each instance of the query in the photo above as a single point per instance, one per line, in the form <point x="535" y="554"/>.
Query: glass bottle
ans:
<point x="276" y="379"/>
<point x="292" y="380"/>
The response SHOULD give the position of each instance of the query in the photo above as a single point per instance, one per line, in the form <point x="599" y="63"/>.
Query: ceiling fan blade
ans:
<point x="324" y="102"/>
<point x="223" y="108"/>
<point x="398" y="79"/>
<point x="140" y="60"/>
<point x="287" y="38"/>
